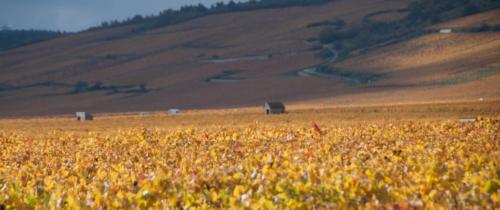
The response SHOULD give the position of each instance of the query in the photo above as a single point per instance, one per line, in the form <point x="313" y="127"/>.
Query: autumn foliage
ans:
<point x="428" y="165"/>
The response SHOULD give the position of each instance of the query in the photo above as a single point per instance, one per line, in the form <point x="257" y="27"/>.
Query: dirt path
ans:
<point x="333" y="51"/>
<point x="236" y="59"/>
<point x="313" y="70"/>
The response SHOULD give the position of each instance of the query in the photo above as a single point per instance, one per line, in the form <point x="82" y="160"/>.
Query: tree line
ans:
<point x="10" y="38"/>
<point x="189" y="12"/>
<point x="16" y="38"/>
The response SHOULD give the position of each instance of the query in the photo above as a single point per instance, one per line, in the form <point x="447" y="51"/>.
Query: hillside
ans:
<point x="245" y="58"/>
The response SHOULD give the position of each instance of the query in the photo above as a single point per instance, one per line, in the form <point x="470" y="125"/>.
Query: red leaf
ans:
<point x="316" y="128"/>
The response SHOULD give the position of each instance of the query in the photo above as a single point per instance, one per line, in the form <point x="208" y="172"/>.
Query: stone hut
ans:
<point x="274" y="108"/>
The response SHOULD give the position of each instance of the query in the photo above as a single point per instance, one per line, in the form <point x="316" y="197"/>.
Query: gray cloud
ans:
<point x="75" y="15"/>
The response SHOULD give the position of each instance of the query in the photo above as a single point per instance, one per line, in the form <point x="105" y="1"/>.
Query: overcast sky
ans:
<point x="75" y="15"/>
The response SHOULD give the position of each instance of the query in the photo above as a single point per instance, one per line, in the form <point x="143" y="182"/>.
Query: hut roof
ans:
<point x="275" y="105"/>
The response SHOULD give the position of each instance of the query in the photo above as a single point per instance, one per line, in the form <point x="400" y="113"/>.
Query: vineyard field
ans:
<point x="381" y="157"/>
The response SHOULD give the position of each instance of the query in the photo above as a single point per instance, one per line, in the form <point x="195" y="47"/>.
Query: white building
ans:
<point x="445" y="31"/>
<point x="84" y="116"/>
<point x="174" y="111"/>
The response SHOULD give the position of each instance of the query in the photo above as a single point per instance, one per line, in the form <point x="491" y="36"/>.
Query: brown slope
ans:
<point x="435" y="67"/>
<point x="168" y="60"/>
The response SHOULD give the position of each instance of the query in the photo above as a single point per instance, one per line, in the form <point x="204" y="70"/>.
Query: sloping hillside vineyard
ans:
<point x="337" y="52"/>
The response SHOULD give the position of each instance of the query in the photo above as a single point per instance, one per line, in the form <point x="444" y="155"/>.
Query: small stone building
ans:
<point x="467" y="120"/>
<point x="274" y="108"/>
<point x="84" y="116"/>
<point x="445" y="31"/>
<point x="174" y="111"/>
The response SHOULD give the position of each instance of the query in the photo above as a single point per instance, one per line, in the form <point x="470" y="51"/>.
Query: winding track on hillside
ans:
<point x="334" y="57"/>
<point x="313" y="70"/>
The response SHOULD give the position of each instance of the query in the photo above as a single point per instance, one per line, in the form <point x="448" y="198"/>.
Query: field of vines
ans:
<point x="413" y="164"/>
